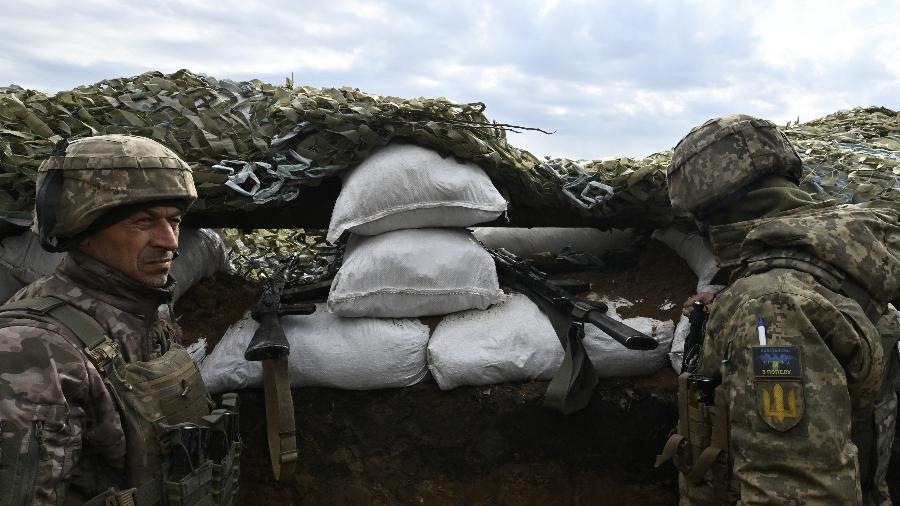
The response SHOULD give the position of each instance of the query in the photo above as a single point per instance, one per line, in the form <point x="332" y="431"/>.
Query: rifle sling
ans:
<point x="573" y="384"/>
<point x="280" y="426"/>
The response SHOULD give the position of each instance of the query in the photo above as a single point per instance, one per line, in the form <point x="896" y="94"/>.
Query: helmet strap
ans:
<point x="46" y="209"/>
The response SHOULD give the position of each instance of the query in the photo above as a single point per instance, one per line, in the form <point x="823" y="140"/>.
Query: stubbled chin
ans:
<point x="155" y="279"/>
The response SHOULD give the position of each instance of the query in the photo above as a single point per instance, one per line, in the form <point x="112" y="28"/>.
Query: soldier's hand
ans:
<point x="705" y="297"/>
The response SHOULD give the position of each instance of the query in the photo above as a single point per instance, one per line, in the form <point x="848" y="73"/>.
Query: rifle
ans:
<point x="693" y="344"/>
<point x="270" y="346"/>
<point x="573" y="384"/>
<point x="514" y="272"/>
<point x="269" y="340"/>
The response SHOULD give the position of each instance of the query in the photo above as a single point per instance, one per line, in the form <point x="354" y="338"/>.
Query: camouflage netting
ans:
<point x="256" y="254"/>
<point x="250" y="143"/>
<point x="853" y="156"/>
<point x="255" y="145"/>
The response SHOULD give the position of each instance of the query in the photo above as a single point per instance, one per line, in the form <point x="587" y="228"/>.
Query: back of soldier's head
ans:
<point x="720" y="160"/>
<point x="94" y="176"/>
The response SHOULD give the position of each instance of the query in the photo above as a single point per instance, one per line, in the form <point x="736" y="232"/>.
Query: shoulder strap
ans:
<point x="99" y="348"/>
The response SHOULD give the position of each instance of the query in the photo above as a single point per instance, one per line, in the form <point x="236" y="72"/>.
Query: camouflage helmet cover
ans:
<point x="97" y="174"/>
<point x="724" y="156"/>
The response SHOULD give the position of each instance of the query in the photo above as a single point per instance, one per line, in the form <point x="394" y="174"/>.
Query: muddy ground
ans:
<point x="472" y="445"/>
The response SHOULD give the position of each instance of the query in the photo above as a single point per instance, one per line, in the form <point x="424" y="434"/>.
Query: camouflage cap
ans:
<point x="724" y="157"/>
<point x="100" y="173"/>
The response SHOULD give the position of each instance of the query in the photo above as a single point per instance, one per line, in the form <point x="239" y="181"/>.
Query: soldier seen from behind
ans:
<point x="792" y="399"/>
<point x="99" y="404"/>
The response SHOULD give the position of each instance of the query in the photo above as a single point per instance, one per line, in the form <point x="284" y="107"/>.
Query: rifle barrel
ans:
<point x="627" y="336"/>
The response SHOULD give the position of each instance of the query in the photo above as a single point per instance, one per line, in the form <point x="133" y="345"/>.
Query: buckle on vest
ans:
<point x="122" y="497"/>
<point x="103" y="353"/>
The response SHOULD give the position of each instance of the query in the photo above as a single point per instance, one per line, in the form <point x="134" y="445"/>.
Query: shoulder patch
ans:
<point x="778" y="380"/>
<point x="780" y="403"/>
<point x="777" y="362"/>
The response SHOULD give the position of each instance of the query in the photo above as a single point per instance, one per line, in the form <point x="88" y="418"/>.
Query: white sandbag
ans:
<point x="693" y="249"/>
<point x="676" y="353"/>
<point x="326" y="350"/>
<point x="526" y="242"/>
<point x="201" y="253"/>
<point x="512" y="341"/>
<point x="415" y="272"/>
<point x="611" y="359"/>
<point x="408" y="186"/>
<point x="26" y="260"/>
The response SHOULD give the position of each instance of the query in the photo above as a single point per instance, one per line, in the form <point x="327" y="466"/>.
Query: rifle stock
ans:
<point x="268" y="341"/>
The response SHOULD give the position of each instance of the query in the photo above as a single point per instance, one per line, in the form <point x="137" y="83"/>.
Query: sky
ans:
<point x="609" y="78"/>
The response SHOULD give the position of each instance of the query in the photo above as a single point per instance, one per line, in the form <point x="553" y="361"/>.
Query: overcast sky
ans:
<point x="610" y="78"/>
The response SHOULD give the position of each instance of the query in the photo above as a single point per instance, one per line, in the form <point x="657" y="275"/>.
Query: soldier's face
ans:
<point x="141" y="246"/>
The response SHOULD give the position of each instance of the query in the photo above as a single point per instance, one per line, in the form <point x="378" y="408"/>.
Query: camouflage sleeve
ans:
<point x="53" y="403"/>
<point x="790" y="423"/>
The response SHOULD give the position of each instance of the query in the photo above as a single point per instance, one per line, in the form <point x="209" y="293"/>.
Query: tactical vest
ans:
<point x="178" y="452"/>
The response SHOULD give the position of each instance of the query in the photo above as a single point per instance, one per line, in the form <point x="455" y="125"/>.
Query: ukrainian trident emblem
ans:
<point x="780" y="403"/>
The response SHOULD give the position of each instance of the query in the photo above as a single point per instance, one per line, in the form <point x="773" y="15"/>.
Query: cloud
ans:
<point x="610" y="77"/>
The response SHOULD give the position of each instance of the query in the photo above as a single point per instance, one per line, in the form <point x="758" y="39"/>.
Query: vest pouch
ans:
<point x="226" y="476"/>
<point x="186" y="466"/>
<point x="224" y="451"/>
<point x="153" y="397"/>
<point x="699" y="447"/>
<point x="193" y="489"/>
<point x="169" y="386"/>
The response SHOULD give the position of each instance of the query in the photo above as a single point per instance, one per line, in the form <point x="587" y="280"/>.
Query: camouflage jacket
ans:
<point x="53" y="397"/>
<point x="823" y="435"/>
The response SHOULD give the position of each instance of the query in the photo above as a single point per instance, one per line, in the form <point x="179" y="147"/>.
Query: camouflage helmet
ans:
<point x="88" y="177"/>
<point x="723" y="158"/>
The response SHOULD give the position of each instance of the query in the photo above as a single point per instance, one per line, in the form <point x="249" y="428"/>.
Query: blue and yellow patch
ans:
<point x="777" y="362"/>
<point x="778" y="378"/>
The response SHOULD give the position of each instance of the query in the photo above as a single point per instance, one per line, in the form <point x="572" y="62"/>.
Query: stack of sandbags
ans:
<point x="409" y="254"/>
<point x="22" y="260"/>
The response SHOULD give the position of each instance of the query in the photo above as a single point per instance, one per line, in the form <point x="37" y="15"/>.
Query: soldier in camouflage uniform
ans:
<point x="70" y="419"/>
<point x="802" y="341"/>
